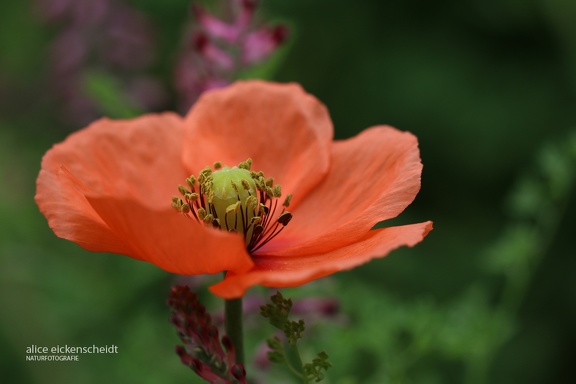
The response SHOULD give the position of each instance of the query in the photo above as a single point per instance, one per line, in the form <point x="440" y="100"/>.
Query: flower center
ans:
<point x="236" y="200"/>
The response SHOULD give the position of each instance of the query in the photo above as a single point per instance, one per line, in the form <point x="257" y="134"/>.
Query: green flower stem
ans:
<point x="233" y="325"/>
<point x="294" y="362"/>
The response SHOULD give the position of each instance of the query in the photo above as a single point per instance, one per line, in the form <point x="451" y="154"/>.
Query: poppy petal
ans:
<point x="71" y="216"/>
<point x="172" y="241"/>
<point x="285" y="131"/>
<point x="138" y="158"/>
<point x="109" y="158"/>
<point x="373" y="177"/>
<point x="291" y="271"/>
<point x="109" y="187"/>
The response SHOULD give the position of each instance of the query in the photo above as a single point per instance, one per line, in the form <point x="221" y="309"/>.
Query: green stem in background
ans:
<point x="233" y="326"/>
<point x="294" y="362"/>
<point x="286" y="351"/>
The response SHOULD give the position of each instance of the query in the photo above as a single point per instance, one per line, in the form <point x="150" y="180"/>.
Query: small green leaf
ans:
<point x="314" y="370"/>
<point x="277" y="313"/>
<point x="276" y="355"/>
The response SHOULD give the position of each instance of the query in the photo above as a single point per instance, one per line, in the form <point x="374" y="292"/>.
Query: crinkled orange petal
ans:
<point x="118" y="158"/>
<point x="138" y="158"/>
<point x="291" y="271"/>
<point x="286" y="132"/>
<point x="373" y="177"/>
<point x="131" y="168"/>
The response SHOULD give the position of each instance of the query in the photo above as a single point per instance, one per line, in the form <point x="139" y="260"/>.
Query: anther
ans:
<point x="245" y="185"/>
<point x="233" y="208"/>
<point x="182" y="189"/>
<point x="209" y="218"/>
<point x="264" y="209"/>
<point x="285" y="218"/>
<point x="252" y="203"/>
<point x="277" y="191"/>
<point x="258" y="229"/>
<point x="245" y="164"/>
<point x="210" y="196"/>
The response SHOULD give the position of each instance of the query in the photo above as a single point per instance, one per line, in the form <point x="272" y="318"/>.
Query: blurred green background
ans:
<point x="489" y="88"/>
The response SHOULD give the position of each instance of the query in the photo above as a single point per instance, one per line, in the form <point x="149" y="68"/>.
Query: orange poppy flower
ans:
<point x="109" y="188"/>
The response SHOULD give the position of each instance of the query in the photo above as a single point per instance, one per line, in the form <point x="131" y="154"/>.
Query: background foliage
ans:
<point x="488" y="87"/>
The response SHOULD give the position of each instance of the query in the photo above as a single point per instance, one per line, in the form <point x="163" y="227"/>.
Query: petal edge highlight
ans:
<point x="281" y="272"/>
